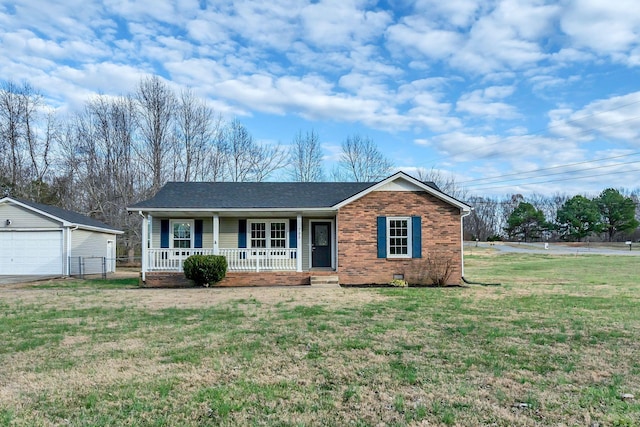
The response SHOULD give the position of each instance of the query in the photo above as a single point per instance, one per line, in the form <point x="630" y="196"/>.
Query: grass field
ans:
<point x="557" y="344"/>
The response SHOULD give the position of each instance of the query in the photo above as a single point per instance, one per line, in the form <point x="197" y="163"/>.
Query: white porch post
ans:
<point x="144" y="244"/>
<point x="334" y="261"/>
<point x="299" y="243"/>
<point x="216" y="234"/>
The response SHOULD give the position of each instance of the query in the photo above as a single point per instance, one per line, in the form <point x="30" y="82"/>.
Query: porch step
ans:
<point x="329" y="281"/>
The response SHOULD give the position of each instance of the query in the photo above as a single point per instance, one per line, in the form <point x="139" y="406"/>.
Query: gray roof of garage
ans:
<point x="67" y="215"/>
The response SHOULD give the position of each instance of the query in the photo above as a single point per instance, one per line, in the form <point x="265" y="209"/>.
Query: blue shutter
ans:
<point x="197" y="238"/>
<point x="416" y="237"/>
<point x="164" y="233"/>
<point x="293" y="233"/>
<point x="242" y="233"/>
<point x="382" y="237"/>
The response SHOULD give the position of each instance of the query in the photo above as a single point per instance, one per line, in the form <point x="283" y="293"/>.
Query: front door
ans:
<point x="321" y="244"/>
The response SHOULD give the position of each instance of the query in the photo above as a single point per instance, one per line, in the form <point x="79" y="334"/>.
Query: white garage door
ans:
<point x="31" y="252"/>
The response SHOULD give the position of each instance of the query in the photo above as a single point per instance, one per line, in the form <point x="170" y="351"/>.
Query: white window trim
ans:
<point x="409" y="236"/>
<point x="186" y="221"/>
<point x="255" y="251"/>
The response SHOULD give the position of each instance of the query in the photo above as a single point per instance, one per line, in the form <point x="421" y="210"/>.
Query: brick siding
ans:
<point x="267" y="278"/>
<point x="357" y="237"/>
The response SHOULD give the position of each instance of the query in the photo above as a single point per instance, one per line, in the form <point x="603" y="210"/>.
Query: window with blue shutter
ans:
<point x="242" y="233"/>
<point x="293" y="236"/>
<point x="416" y="237"/>
<point x="164" y="233"/>
<point x="382" y="236"/>
<point x="197" y="238"/>
<point x="293" y="233"/>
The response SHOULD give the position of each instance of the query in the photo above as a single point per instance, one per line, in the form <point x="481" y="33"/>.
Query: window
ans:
<point x="181" y="234"/>
<point x="278" y="235"/>
<point x="258" y="235"/>
<point x="268" y="235"/>
<point x="399" y="237"/>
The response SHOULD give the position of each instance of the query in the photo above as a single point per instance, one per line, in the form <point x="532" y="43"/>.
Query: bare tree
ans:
<point x="195" y="132"/>
<point x="305" y="158"/>
<point x="26" y="139"/>
<point x="215" y="166"/>
<point x="482" y="223"/>
<point x="156" y="108"/>
<point x="446" y="182"/>
<point x="12" y="132"/>
<point x="240" y="146"/>
<point x="99" y="162"/>
<point x="361" y="160"/>
<point x="247" y="160"/>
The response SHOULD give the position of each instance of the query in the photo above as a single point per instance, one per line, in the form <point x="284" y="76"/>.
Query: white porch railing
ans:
<point x="237" y="259"/>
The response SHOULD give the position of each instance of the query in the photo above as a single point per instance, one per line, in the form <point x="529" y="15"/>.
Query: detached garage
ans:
<point x="37" y="239"/>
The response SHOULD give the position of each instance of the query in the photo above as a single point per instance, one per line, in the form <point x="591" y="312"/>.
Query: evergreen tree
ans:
<point x="577" y="218"/>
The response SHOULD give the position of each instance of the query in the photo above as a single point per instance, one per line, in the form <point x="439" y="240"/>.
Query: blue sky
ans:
<point x="541" y="90"/>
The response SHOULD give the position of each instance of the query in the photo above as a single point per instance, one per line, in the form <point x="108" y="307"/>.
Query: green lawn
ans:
<point x="557" y="344"/>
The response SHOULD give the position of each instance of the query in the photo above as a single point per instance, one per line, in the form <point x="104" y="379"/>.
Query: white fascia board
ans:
<point x="401" y="175"/>
<point x="100" y="229"/>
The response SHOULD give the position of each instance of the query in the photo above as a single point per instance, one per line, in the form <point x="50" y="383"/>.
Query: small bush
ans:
<point x="434" y="270"/>
<point x="399" y="283"/>
<point x="205" y="270"/>
<point x="439" y="268"/>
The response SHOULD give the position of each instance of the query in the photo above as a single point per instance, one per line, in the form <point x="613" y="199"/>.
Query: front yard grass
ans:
<point x="556" y="344"/>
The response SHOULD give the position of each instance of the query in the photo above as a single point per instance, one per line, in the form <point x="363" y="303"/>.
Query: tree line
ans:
<point x="122" y="149"/>
<point x="612" y="215"/>
<point x="118" y="150"/>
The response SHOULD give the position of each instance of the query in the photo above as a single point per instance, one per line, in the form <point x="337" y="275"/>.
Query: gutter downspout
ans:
<point x="462" y="238"/>
<point x="143" y="244"/>
<point x="69" y="230"/>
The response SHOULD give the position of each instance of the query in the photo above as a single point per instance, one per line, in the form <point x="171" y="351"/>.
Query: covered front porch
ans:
<point x="238" y="259"/>
<point x="250" y="241"/>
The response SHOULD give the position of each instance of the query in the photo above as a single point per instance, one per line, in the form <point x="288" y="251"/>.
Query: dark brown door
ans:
<point x="321" y="244"/>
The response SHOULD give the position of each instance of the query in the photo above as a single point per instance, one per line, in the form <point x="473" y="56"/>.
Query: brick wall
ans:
<point x="357" y="237"/>
<point x="267" y="278"/>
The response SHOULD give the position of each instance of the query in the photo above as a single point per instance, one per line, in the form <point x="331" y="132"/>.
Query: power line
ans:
<point x="557" y="173"/>
<point x="563" y="179"/>
<point x="551" y="168"/>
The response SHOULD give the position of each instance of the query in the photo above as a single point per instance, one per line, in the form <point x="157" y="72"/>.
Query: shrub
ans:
<point x="434" y="270"/>
<point x="399" y="283"/>
<point x="205" y="270"/>
<point x="439" y="267"/>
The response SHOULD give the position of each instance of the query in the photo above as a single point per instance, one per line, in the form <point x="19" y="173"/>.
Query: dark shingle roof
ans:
<point x="230" y="195"/>
<point x="259" y="195"/>
<point x="66" y="215"/>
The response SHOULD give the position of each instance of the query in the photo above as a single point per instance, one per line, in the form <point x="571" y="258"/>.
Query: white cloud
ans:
<point x="342" y="23"/>
<point x="459" y="13"/>
<point x="484" y="102"/>
<point x="616" y="118"/>
<point x="416" y="34"/>
<point x="606" y="27"/>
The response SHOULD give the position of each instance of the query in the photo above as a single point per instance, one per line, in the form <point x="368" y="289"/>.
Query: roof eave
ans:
<point x="217" y="209"/>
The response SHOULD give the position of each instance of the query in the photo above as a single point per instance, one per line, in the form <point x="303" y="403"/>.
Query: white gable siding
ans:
<point x="24" y="218"/>
<point x="399" y="185"/>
